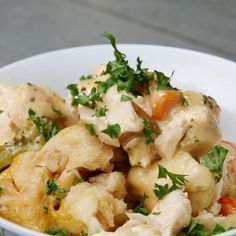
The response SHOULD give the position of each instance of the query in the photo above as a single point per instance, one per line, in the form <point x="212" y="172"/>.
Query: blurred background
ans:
<point x="29" y="27"/>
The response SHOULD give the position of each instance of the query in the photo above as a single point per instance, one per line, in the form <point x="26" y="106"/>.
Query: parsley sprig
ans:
<point x="197" y="229"/>
<point x="112" y="130"/>
<point x="149" y="131"/>
<point x="101" y="111"/>
<point x="90" y="128"/>
<point x="53" y="188"/>
<point x="214" y="160"/>
<point x="53" y="231"/>
<point x="177" y="182"/>
<point x="44" y="125"/>
<point x="140" y="208"/>
<point x="131" y="80"/>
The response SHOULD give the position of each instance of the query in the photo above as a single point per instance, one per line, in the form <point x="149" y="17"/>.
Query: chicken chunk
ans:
<point x="18" y="134"/>
<point x="118" y="112"/>
<point x="193" y="130"/>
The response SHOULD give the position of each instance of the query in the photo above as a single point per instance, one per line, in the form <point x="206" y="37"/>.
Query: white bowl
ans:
<point x="193" y="71"/>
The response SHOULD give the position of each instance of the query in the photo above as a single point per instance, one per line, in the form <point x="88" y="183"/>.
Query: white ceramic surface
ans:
<point x="193" y="71"/>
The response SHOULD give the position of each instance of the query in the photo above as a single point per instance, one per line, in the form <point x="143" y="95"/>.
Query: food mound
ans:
<point x="127" y="154"/>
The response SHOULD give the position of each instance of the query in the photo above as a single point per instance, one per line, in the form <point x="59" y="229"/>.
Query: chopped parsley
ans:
<point x="77" y="180"/>
<point x="149" y="131"/>
<point x="44" y="125"/>
<point x="53" y="231"/>
<point x="73" y="91"/>
<point x="177" y="182"/>
<point x="162" y="81"/>
<point x="85" y="77"/>
<point x="156" y="213"/>
<point x="101" y="111"/>
<point x="196" y="229"/>
<point x="1" y="189"/>
<point x="87" y="100"/>
<point x="83" y="233"/>
<point x="45" y="209"/>
<point x="53" y="188"/>
<point x="58" y="112"/>
<point x="140" y="208"/>
<point x="131" y="80"/>
<point x="125" y="98"/>
<point x="184" y="101"/>
<point x="1" y="111"/>
<point x="214" y="160"/>
<point x="195" y="139"/>
<point x="90" y="128"/>
<point x="112" y="130"/>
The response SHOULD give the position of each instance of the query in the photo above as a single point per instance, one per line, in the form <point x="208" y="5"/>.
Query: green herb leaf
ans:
<point x="45" y="126"/>
<point x="53" y="231"/>
<point x="73" y="91"/>
<point x="83" y="233"/>
<point x="101" y="111"/>
<point x="149" y="131"/>
<point x="140" y="208"/>
<point x="53" y="188"/>
<point x="1" y="189"/>
<point x="112" y="130"/>
<point x="177" y="182"/>
<point x="184" y="101"/>
<point x="77" y="180"/>
<point x="196" y="229"/>
<point x="90" y="128"/>
<point x="156" y="213"/>
<point x="193" y="228"/>
<point x="45" y="209"/>
<point x="214" y="160"/>
<point x="85" y="77"/>
<point x="195" y="139"/>
<point x="125" y="98"/>
<point x="162" y="81"/>
<point x="1" y="111"/>
<point x="58" y="112"/>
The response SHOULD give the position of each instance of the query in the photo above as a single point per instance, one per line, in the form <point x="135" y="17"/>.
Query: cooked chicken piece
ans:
<point x="119" y="112"/>
<point x="21" y="201"/>
<point x="18" y="134"/>
<point x="88" y="208"/>
<point x="193" y="130"/>
<point x="168" y="217"/>
<point x="198" y="99"/>
<point x="74" y="147"/>
<point x="140" y="154"/>
<point x="200" y="184"/>
<point x="114" y="183"/>
<point x="175" y="213"/>
<point x="15" y="102"/>
<point x="209" y="221"/>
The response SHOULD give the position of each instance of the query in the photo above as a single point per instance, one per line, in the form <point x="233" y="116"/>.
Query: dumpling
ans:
<point x="89" y="208"/>
<point x="74" y="147"/>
